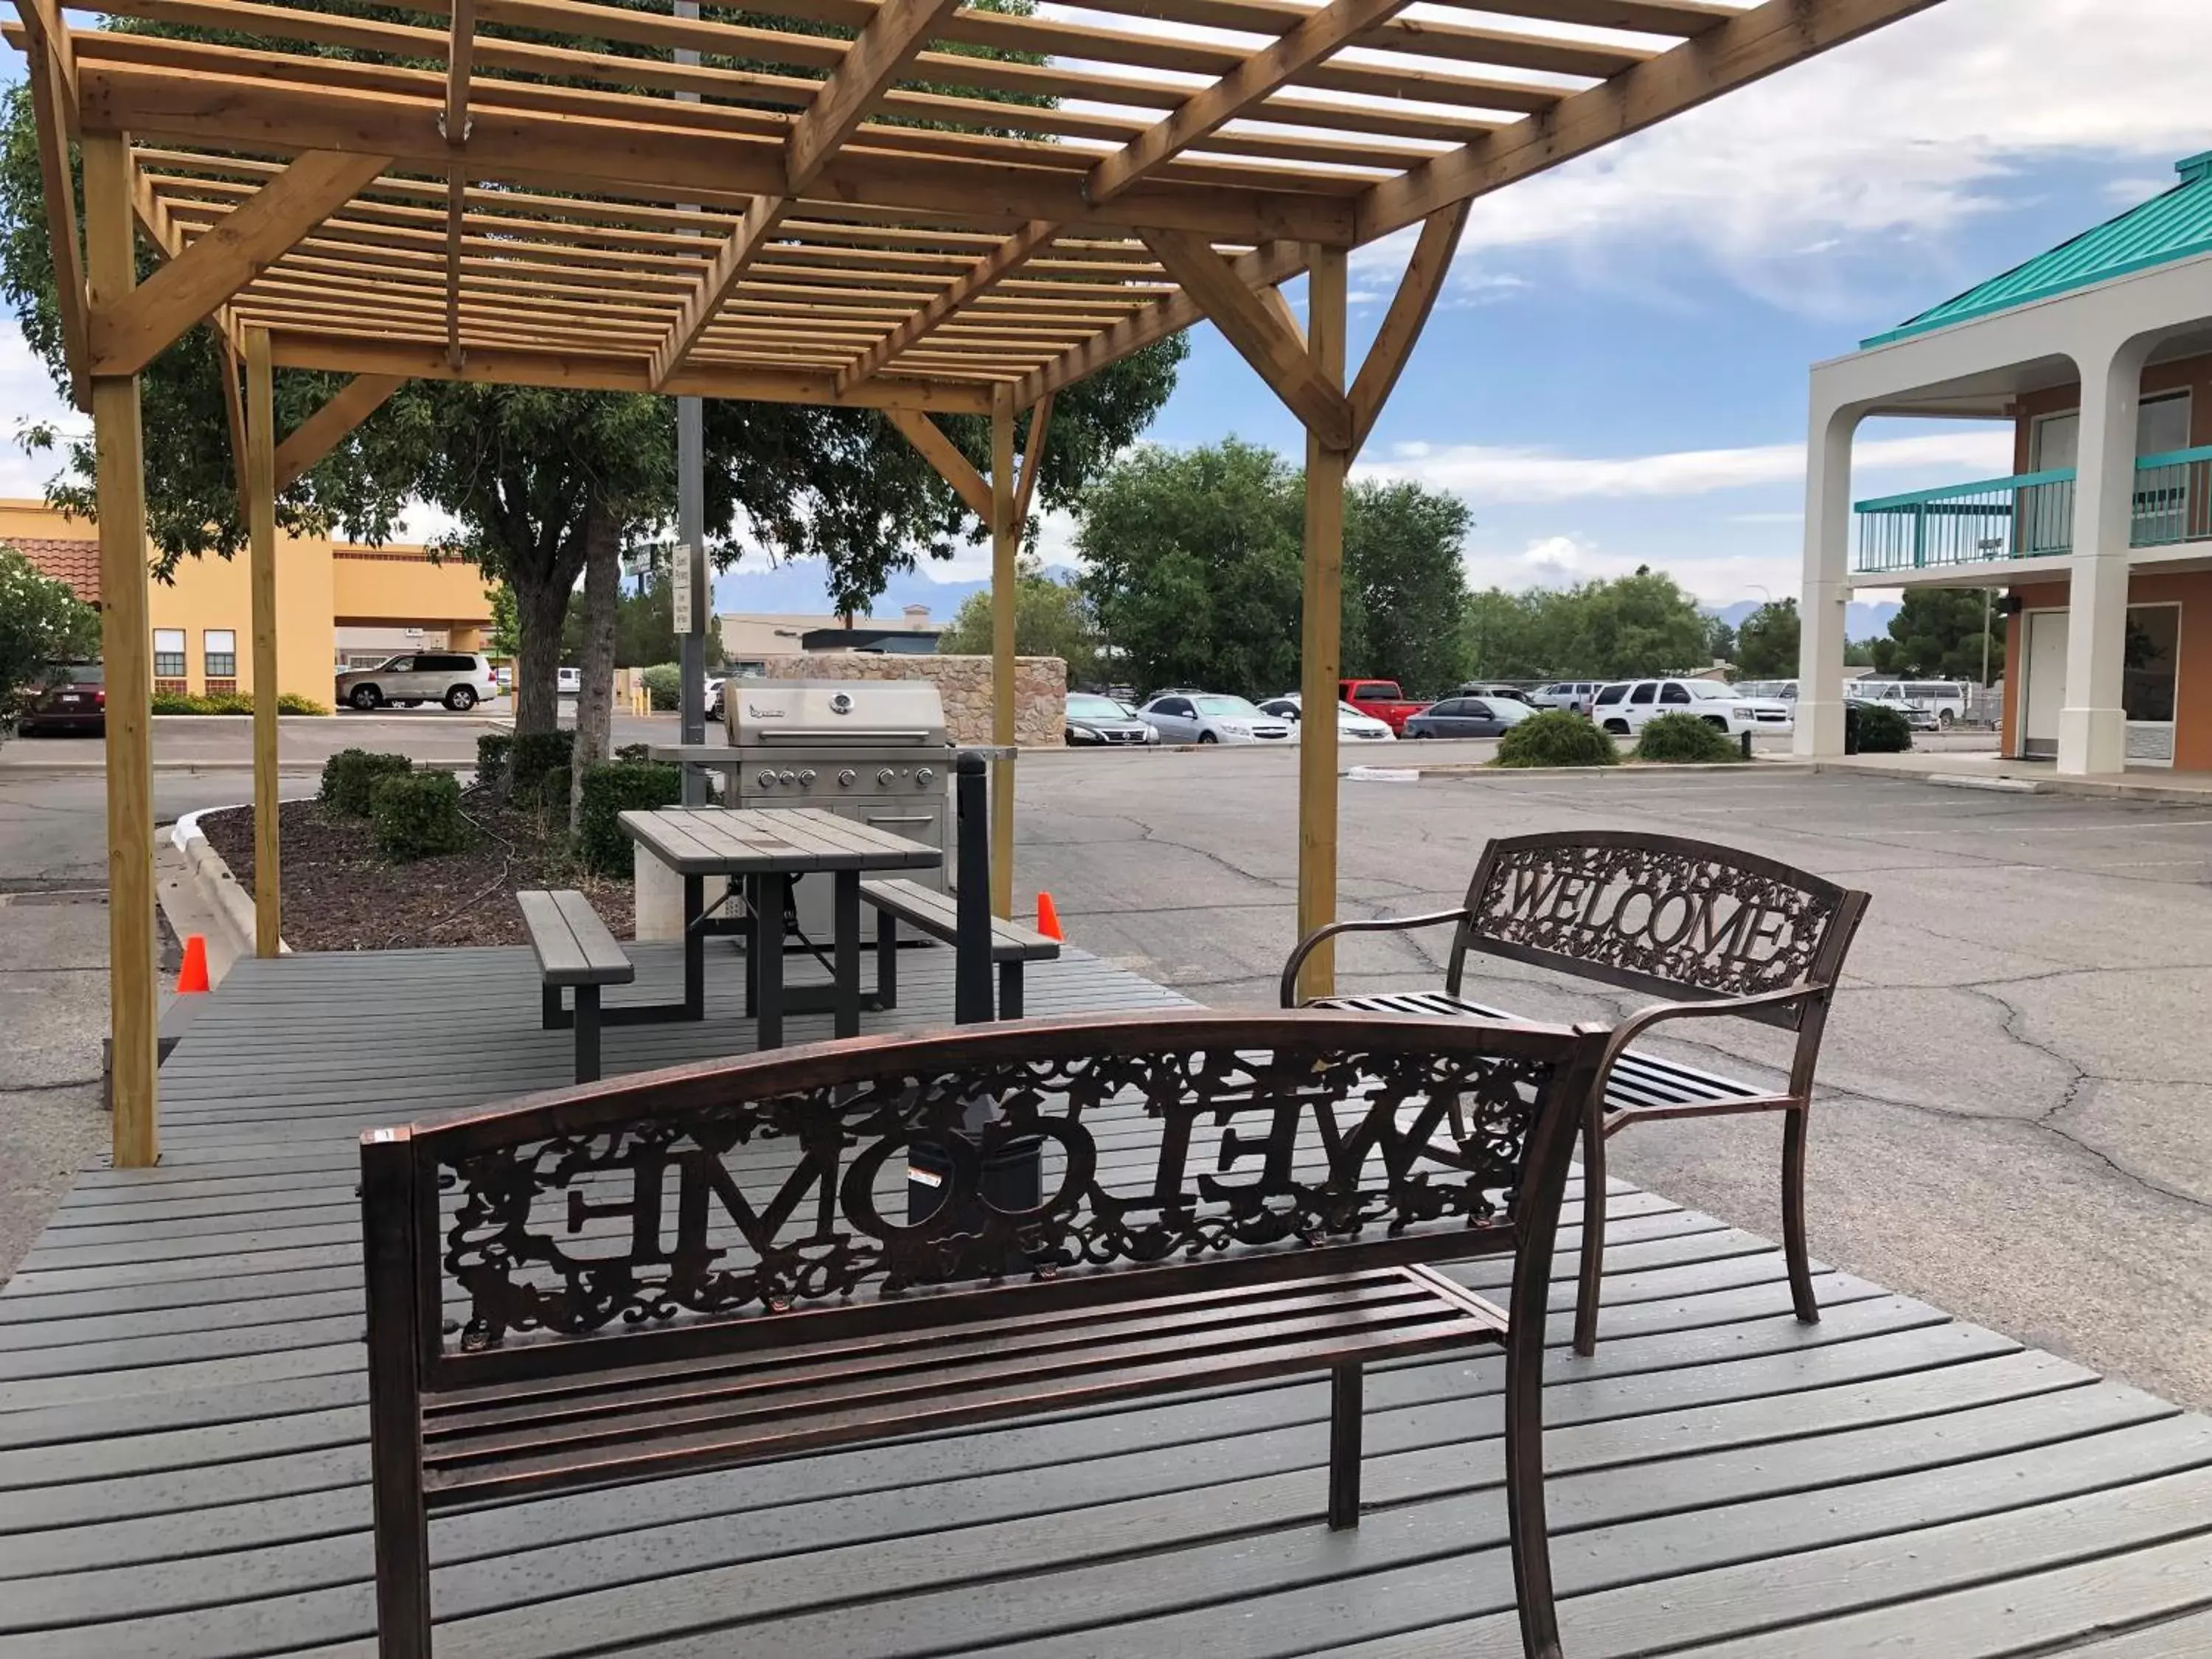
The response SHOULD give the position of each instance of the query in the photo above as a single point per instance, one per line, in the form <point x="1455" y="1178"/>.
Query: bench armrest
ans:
<point x="1377" y="925"/>
<point x="1644" y="1018"/>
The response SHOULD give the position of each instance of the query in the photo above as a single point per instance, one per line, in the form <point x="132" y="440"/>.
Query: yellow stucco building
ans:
<point x="335" y="603"/>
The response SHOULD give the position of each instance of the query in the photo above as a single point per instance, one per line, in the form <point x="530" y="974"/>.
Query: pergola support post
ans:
<point x="1320" y="628"/>
<point x="126" y="649"/>
<point x="1005" y="539"/>
<point x="261" y="530"/>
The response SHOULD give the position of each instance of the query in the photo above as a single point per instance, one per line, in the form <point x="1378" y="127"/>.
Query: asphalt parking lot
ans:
<point x="2014" y="1120"/>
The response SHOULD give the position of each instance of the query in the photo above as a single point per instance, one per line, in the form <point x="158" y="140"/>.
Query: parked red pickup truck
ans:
<point x="1381" y="698"/>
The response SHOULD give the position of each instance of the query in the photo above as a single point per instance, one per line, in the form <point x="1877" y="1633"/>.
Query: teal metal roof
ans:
<point x="2168" y="227"/>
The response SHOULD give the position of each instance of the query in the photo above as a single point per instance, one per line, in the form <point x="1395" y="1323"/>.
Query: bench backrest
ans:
<point x="662" y="1215"/>
<point x="1686" y="918"/>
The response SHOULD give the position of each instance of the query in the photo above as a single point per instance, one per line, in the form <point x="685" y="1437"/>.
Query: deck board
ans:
<point x="183" y="1463"/>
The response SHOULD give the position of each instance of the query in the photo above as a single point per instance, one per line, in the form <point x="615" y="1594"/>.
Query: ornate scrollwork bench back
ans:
<point x="1242" y="1148"/>
<point x="1686" y="919"/>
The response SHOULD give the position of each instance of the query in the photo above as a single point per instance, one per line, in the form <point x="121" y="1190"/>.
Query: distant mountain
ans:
<point x="1861" y="622"/>
<point x="802" y="588"/>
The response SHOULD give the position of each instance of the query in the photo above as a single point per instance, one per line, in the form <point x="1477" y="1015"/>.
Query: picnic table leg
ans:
<point x="1346" y="1410"/>
<point x="694" y="947"/>
<point x="1010" y="990"/>
<point x="847" y="995"/>
<point x="886" y="960"/>
<point x="767" y="949"/>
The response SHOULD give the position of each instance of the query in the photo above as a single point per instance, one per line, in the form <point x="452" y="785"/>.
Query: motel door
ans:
<point x="2044" y="694"/>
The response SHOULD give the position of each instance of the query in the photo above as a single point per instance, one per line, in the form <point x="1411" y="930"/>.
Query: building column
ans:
<point x="2093" y="735"/>
<point x="1820" y="714"/>
<point x="126" y="644"/>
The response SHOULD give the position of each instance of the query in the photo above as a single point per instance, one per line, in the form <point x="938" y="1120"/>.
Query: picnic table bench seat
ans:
<point x="691" y="1270"/>
<point x="926" y="910"/>
<point x="577" y="953"/>
<point x="1713" y="930"/>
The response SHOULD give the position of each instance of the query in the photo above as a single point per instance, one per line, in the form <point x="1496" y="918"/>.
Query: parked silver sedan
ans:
<point x="1211" y="717"/>
<point x="1468" y="717"/>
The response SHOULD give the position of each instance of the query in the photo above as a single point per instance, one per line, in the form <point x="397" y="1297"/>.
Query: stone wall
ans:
<point x="965" y="684"/>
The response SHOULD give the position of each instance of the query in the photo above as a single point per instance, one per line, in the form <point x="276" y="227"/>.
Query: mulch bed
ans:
<point x="340" y="894"/>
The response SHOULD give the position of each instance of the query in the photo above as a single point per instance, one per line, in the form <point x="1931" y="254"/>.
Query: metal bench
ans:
<point x="577" y="953"/>
<point x="689" y="1270"/>
<point x="1715" y="930"/>
<point x="938" y="915"/>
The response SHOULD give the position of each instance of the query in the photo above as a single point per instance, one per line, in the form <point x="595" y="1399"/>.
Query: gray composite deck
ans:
<point x="183" y="1468"/>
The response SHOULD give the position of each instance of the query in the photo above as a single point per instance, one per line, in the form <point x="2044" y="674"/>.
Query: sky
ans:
<point x="1616" y="373"/>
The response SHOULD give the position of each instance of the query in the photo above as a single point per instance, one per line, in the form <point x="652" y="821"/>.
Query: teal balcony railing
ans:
<point x="2027" y="517"/>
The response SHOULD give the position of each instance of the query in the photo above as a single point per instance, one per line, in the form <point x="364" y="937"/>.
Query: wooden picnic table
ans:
<point x="763" y="848"/>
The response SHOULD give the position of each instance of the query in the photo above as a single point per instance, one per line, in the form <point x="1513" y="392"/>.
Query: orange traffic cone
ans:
<point x="1048" y="918"/>
<point x="193" y="976"/>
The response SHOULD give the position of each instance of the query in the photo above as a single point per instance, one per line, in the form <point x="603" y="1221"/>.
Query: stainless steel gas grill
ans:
<point x="874" y="750"/>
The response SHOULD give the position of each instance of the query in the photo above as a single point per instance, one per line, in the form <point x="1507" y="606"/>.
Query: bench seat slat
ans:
<point x="938" y="1349"/>
<point x="631" y="1441"/>
<point x="1639" y="1079"/>
<point x="938" y="915"/>
<point x="574" y="946"/>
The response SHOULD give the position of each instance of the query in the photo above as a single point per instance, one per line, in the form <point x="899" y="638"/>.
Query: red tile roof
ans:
<point x="76" y="563"/>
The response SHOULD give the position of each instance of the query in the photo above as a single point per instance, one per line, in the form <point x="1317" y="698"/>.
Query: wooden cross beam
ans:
<point x="453" y="125"/>
<point x="52" y="75"/>
<point x="1409" y="315"/>
<point x="955" y="468"/>
<point x="322" y="431"/>
<point x="131" y="332"/>
<point x="1032" y="458"/>
<point x="897" y="32"/>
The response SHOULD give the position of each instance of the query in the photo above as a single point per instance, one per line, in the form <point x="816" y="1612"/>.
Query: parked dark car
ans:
<point x="1468" y="717"/>
<point x="1096" y="720"/>
<point x="74" y="701"/>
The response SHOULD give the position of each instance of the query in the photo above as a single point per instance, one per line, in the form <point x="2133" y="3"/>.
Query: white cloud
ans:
<point x="1559" y="561"/>
<point x="1555" y="556"/>
<point x="27" y="397"/>
<point x="1900" y="136"/>
<point x="1493" y="473"/>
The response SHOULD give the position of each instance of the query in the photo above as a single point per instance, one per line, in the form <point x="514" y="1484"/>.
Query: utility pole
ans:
<point x="689" y="567"/>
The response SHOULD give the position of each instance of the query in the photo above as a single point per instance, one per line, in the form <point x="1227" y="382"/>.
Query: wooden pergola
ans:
<point x="848" y="208"/>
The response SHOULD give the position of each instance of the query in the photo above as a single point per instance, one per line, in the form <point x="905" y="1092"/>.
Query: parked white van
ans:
<point x="1947" y="700"/>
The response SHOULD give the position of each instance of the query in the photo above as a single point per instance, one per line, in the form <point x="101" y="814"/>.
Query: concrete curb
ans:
<point x="214" y="885"/>
<point x="2082" y="788"/>
<point x="1625" y="769"/>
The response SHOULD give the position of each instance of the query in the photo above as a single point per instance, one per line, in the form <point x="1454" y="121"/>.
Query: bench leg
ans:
<point x="886" y="960"/>
<point x="1796" y="1123"/>
<point x="1593" y="1273"/>
<point x="1347" y="1415"/>
<point x="551" y="1016"/>
<point x="1010" y="990"/>
<point x="846" y="906"/>
<point x="587" y="1034"/>
<point x="1529" y="1531"/>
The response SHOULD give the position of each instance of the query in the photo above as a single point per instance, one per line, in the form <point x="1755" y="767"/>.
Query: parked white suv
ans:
<point x="460" y="680"/>
<point x="1623" y="707"/>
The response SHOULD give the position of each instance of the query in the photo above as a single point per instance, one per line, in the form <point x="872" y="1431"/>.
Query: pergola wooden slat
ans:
<point x="834" y="203"/>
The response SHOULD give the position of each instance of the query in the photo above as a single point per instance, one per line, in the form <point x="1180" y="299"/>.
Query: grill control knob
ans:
<point x="923" y="777"/>
<point x="884" y="778"/>
<point x="807" y="777"/>
<point x="845" y="779"/>
<point x="787" y="777"/>
<point x="767" y="780"/>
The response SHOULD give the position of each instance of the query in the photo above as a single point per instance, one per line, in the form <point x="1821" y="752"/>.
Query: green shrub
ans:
<point x="634" y="751"/>
<point x="291" y="702"/>
<point x="231" y="702"/>
<point x="350" y="775"/>
<point x="225" y="702"/>
<point x="549" y="794"/>
<point x="494" y="751"/>
<point x="176" y="702"/>
<point x="537" y="753"/>
<point x="1686" y="738"/>
<point x="1556" y="737"/>
<point x="1869" y="729"/>
<point x="417" y="815"/>
<point x="618" y="788"/>
<point x="664" y="685"/>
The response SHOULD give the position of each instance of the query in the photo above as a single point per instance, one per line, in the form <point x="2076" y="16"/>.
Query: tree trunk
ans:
<point x="541" y="607"/>
<point x="595" y="701"/>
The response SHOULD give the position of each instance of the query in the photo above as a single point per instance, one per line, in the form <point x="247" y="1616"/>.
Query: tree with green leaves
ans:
<point x="1633" y="625"/>
<point x="1766" y="644"/>
<point x="1405" y="586"/>
<point x="1052" y="618"/>
<point x="41" y="622"/>
<point x="545" y="484"/>
<point x="1938" y="633"/>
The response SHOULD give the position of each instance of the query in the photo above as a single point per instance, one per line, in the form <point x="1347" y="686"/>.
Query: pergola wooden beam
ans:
<point x="1033" y="453"/>
<point x="985" y="275"/>
<point x="941" y="452"/>
<point x="130" y="332"/>
<point x="52" y="75"/>
<point x="322" y="431"/>
<point x="1261" y="337"/>
<point x="1409" y="315"/>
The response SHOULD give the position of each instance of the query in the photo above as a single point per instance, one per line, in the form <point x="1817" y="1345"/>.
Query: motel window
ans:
<point x="168" y="654"/>
<point x="222" y="654"/>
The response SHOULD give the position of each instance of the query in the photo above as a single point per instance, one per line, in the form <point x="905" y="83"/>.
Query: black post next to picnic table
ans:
<point x="971" y="951"/>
